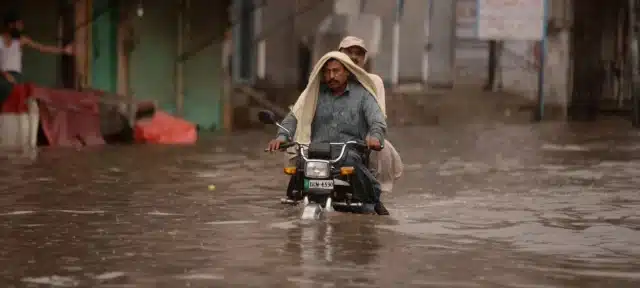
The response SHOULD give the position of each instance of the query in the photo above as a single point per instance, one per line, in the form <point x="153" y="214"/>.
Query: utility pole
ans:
<point x="395" y="48"/>
<point x="633" y="52"/>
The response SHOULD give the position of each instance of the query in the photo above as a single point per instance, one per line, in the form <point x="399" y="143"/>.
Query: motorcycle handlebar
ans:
<point x="362" y="145"/>
<point x="357" y="143"/>
<point x="283" y="146"/>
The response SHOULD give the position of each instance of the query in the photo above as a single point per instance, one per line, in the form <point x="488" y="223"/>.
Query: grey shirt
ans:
<point x="350" y="116"/>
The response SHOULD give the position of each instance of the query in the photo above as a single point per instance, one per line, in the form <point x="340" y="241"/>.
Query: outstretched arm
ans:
<point x="26" y="41"/>
<point x="375" y="118"/>
<point x="290" y="122"/>
<point x="8" y="77"/>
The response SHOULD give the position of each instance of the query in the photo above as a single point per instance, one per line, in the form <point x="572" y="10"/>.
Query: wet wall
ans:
<point x="152" y="60"/>
<point x="203" y="74"/>
<point x="155" y="55"/>
<point x="103" y="48"/>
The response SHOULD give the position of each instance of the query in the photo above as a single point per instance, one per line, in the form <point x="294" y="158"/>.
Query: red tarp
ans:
<point x="67" y="117"/>
<point x="16" y="102"/>
<point x="163" y="128"/>
<point x="72" y="118"/>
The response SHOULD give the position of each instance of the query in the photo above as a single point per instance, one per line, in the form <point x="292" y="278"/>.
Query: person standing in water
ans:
<point x="12" y="41"/>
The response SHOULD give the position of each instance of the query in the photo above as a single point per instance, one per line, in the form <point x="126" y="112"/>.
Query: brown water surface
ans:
<point x="551" y="205"/>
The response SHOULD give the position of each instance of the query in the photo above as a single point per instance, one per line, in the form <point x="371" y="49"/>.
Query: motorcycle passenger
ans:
<point x="339" y="105"/>
<point x="386" y="164"/>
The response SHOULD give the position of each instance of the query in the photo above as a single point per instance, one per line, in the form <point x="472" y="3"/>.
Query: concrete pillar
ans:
<point x="557" y="68"/>
<point x="81" y="43"/>
<point x="279" y="46"/>
<point x="413" y="41"/>
<point x="442" y="43"/>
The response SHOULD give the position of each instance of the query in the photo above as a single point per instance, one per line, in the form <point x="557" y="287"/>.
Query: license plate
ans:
<point x="320" y="184"/>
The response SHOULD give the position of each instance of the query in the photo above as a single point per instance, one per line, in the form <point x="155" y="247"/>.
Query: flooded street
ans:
<point x="551" y="205"/>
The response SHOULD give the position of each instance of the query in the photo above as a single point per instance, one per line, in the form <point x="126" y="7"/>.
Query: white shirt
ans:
<point x="11" y="56"/>
<point x="227" y="51"/>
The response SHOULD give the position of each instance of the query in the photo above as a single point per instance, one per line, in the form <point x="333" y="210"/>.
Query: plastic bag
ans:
<point x="163" y="128"/>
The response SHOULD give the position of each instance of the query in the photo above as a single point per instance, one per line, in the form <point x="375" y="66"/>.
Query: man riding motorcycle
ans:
<point x="343" y="107"/>
<point x="386" y="164"/>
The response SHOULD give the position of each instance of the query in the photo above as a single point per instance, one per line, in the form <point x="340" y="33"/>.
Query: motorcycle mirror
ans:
<point x="266" y="117"/>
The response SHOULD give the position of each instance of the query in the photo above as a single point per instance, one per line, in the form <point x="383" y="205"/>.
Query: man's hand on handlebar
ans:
<point x="373" y="143"/>
<point x="274" y="145"/>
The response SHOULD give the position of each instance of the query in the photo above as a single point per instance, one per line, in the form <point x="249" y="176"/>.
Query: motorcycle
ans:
<point x="324" y="185"/>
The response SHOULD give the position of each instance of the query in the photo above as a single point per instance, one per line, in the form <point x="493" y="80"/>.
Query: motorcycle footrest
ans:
<point x="288" y="201"/>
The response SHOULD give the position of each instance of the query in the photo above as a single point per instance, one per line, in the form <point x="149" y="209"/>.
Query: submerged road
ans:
<point x="551" y="205"/>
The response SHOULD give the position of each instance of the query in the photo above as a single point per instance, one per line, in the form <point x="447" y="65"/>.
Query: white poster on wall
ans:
<point x="511" y="19"/>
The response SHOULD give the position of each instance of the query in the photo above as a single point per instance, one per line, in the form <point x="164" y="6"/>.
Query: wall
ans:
<point x="277" y="29"/>
<point x="203" y="70"/>
<point x="103" y="48"/>
<point x="413" y="40"/>
<point x="518" y="72"/>
<point x="519" y="68"/>
<point x="152" y="59"/>
<point x="281" y="25"/>
<point x="309" y="14"/>
<point x="471" y="54"/>
<point x="194" y="92"/>
<point x="455" y="56"/>
<point x="441" y="39"/>
<point x="284" y="25"/>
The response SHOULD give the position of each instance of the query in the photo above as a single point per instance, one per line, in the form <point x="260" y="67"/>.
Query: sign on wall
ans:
<point x="511" y="19"/>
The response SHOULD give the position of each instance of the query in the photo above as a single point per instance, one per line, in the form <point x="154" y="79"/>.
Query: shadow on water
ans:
<point x="550" y="205"/>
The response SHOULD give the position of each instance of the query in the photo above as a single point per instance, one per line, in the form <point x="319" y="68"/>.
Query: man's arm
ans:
<point x="44" y="48"/>
<point x="374" y="117"/>
<point x="8" y="76"/>
<point x="290" y="122"/>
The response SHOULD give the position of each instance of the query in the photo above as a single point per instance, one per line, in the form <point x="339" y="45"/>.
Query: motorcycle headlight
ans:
<point x="314" y="169"/>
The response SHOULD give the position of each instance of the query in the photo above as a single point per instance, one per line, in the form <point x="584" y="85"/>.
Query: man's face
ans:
<point x="335" y="75"/>
<point x="356" y="53"/>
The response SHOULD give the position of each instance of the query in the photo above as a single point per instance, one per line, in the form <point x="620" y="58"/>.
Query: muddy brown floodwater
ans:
<point x="551" y="205"/>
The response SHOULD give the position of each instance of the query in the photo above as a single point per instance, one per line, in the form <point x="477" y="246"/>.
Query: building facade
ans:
<point x="165" y="51"/>
<point x="170" y="51"/>
<point x="436" y="46"/>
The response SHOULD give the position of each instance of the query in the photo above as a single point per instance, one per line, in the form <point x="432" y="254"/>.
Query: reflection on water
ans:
<point x="479" y="206"/>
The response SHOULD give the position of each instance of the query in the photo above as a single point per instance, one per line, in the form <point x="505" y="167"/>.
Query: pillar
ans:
<point x="442" y="43"/>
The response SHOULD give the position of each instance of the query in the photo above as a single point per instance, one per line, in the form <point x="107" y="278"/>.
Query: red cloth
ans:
<point x="163" y="128"/>
<point x="69" y="117"/>
<point x="17" y="100"/>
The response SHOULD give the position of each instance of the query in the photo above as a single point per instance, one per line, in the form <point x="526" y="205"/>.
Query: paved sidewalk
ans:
<point x="463" y="104"/>
<point x="460" y="105"/>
